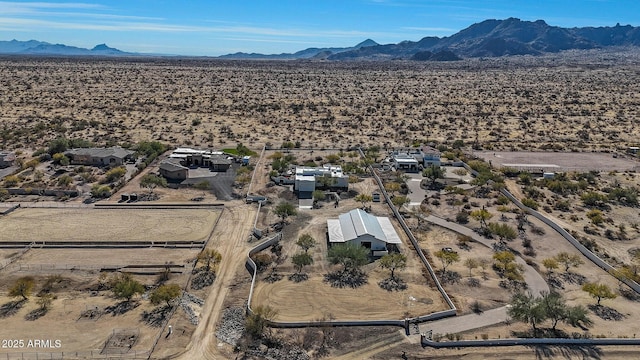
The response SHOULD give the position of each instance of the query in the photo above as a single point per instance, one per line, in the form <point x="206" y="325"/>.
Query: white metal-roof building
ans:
<point x="359" y="227"/>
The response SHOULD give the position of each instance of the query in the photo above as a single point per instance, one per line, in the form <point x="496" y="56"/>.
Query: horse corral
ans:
<point x="96" y="243"/>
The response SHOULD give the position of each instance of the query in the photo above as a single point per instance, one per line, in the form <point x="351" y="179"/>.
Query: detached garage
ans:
<point x="359" y="227"/>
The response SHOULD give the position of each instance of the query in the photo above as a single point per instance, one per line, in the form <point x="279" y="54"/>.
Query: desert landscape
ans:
<point x="555" y="131"/>
<point x="579" y="101"/>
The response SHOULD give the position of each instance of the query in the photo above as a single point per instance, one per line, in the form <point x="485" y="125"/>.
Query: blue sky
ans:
<point x="216" y="27"/>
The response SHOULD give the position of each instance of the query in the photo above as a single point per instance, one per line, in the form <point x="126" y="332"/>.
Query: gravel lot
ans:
<point x="559" y="161"/>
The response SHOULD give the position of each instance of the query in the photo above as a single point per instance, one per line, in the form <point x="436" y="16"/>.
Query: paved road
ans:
<point x="7" y="171"/>
<point x="534" y="280"/>
<point x="457" y="324"/>
<point x="416" y="194"/>
<point x="462" y="323"/>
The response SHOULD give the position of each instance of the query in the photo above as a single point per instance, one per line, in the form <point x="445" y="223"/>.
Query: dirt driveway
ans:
<point x="230" y="239"/>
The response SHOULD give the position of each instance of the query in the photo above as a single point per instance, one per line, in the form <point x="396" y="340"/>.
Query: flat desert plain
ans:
<point x="577" y="100"/>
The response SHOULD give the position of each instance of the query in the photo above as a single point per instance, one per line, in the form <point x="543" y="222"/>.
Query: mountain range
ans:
<point x="33" y="47"/>
<point x="489" y="38"/>
<point x="495" y="38"/>
<point x="317" y="53"/>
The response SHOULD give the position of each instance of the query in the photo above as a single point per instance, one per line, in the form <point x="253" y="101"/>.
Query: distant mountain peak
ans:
<point x="367" y="42"/>
<point x="495" y="38"/>
<point x="100" y="47"/>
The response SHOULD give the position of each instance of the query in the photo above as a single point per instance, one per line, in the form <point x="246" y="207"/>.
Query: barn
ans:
<point x="359" y="227"/>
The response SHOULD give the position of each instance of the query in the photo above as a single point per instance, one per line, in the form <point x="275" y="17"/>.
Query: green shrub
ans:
<point x="528" y="202"/>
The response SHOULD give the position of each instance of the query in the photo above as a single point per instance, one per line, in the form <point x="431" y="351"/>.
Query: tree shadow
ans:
<point x="298" y="277"/>
<point x="393" y="284"/>
<point x="121" y="308"/>
<point x="36" y="314"/>
<point x="11" y="308"/>
<point x="606" y="313"/>
<point x="567" y="351"/>
<point x="353" y="278"/>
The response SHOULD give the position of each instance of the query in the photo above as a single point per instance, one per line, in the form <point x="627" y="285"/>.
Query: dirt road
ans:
<point x="230" y="239"/>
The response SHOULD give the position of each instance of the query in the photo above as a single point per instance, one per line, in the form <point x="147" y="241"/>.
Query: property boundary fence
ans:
<point x="526" y="342"/>
<point x="5" y="263"/>
<point x="251" y="267"/>
<point x="173" y="244"/>
<point x="95" y="354"/>
<point x="9" y="210"/>
<point x="184" y="290"/>
<point x="564" y="233"/>
<point x="142" y="205"/>
<point x="586" y="252"/>
<point x="264" y="148"/>
<point x="414" y="242"/>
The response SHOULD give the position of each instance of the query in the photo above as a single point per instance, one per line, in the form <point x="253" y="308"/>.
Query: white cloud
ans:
<point x="12" y="7"/>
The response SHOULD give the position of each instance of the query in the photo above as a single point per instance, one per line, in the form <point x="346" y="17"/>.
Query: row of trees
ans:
<point x="550" y="306"/>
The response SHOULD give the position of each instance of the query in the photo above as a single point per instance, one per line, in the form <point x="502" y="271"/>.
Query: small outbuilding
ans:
<point x="359" y="227"/>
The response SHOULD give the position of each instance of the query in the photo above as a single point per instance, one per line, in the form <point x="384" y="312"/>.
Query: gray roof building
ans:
<point x="99" y="156"/>
<point x="363" y="228"/>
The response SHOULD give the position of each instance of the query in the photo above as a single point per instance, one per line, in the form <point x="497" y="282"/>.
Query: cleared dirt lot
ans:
<point x="97" y="258"/>
<point x="558" y="161"/>
<point x="313" y="299"/>
<point x="107" y="224"/>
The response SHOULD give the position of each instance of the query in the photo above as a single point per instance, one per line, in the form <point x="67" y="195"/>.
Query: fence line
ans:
<point x="413" y="240"/>
<point x="251" y="266"/>
<point x="525" y="342"/>
<point x="91" y="354"/>
<point x="16" y="257"/>
<point x="586" y="252"/>
<point x="184" y="289"/>
<point x="564" y="233"/>
<point x="264" y="148"/>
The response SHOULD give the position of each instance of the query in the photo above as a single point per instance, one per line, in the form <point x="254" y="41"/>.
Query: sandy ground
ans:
<point x="62" y="323"/>
<point x="230" y="239"/>
<point x="313" y="299"/>
<point x="107" y="224"/>
<point x="508" y="103"/>
<point x="97" y="258"/>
